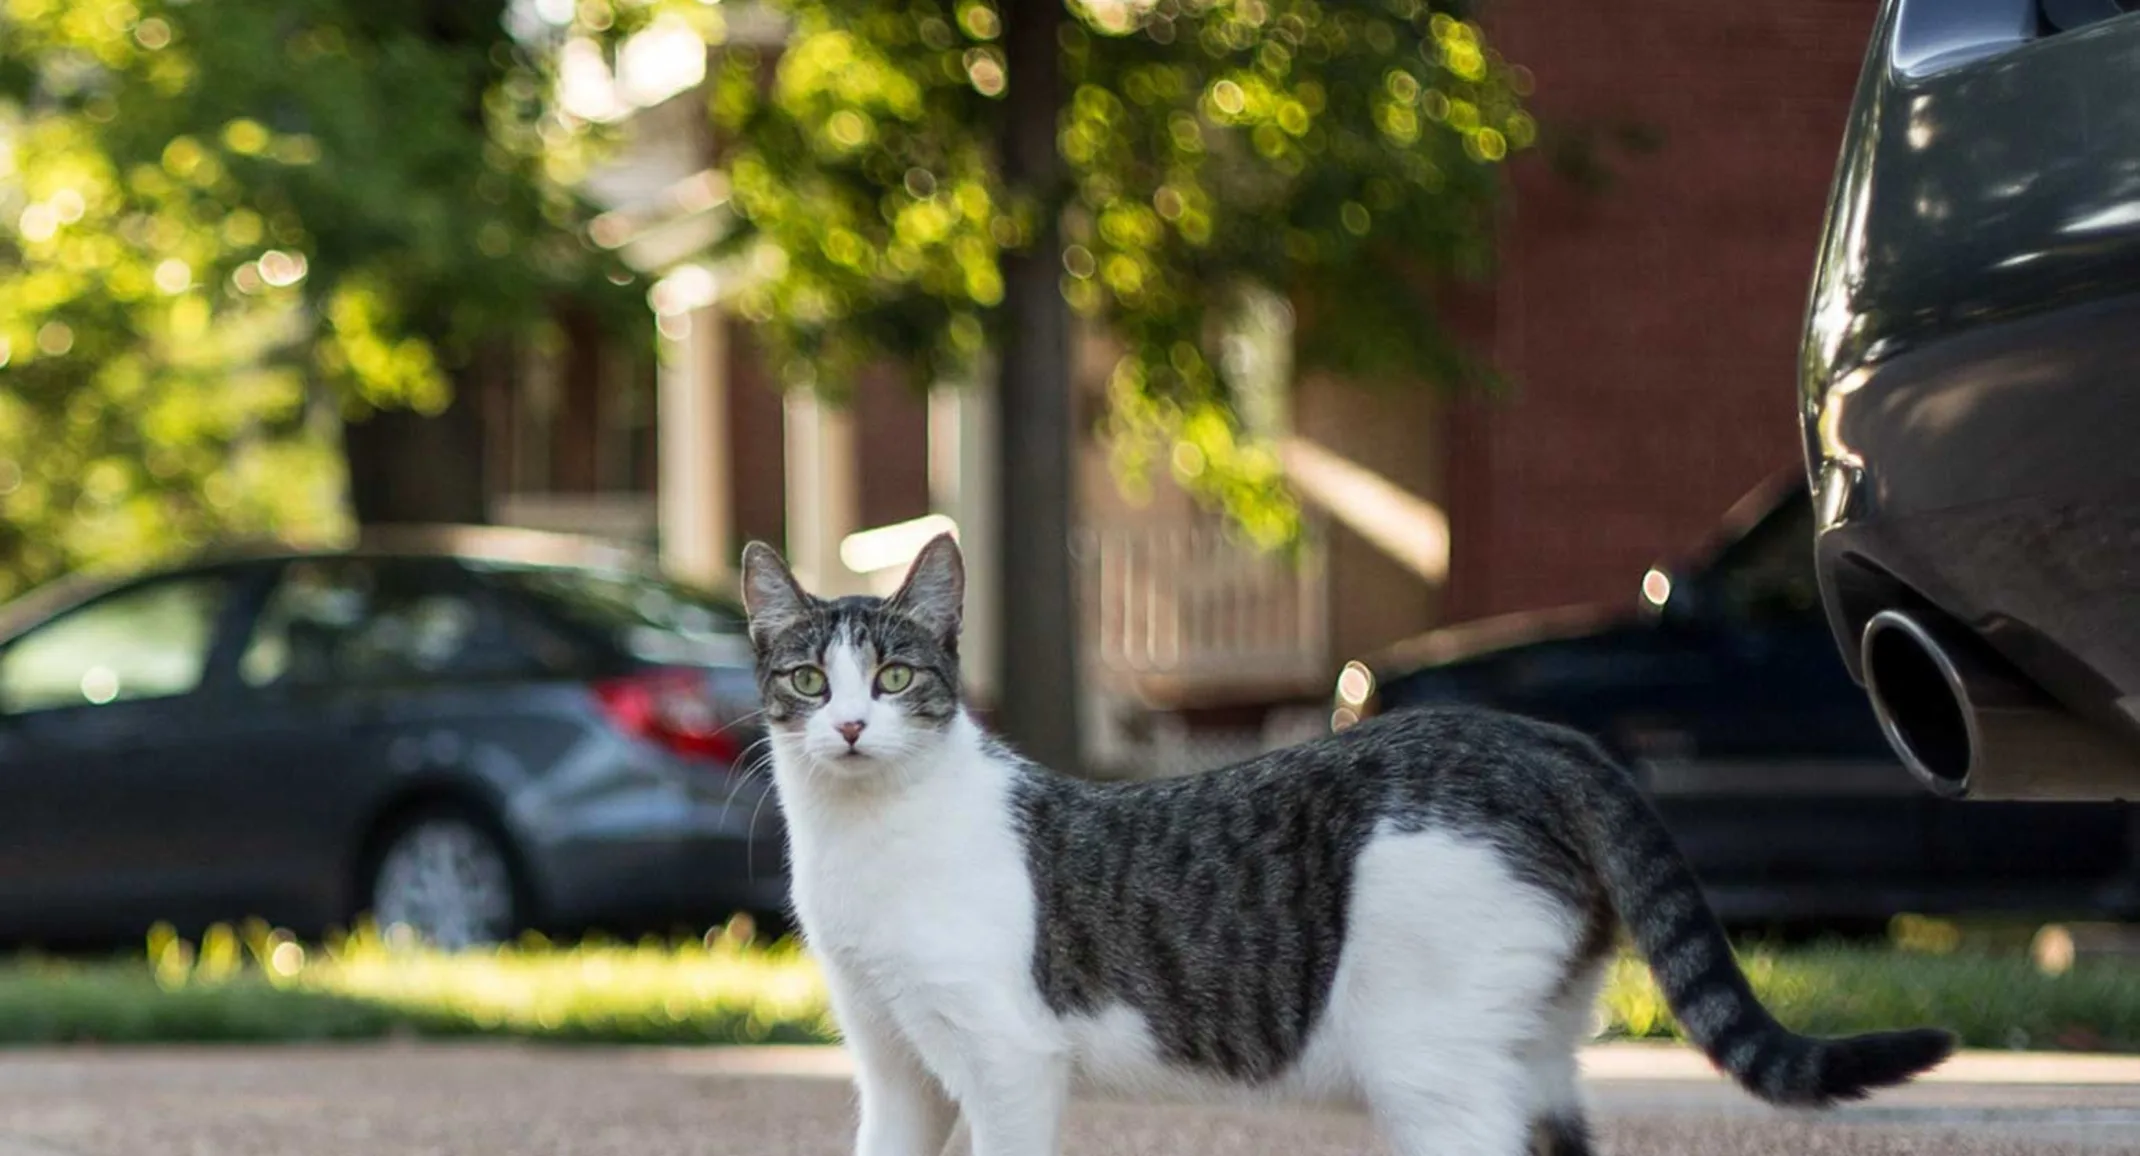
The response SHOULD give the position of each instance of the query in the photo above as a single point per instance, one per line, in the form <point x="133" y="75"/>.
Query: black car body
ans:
<point x="467" y="730"/>
<point x="1722" y="690"/>
<point x="1970" y="394"/>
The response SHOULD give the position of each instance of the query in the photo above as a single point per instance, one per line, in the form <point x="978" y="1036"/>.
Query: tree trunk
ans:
<point x="1039" y="688"/>
<point x="407" y="468"/>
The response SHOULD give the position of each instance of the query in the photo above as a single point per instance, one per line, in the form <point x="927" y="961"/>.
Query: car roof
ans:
<point x="1455" y="641"/>
<point x="502" y="544"/>
<point x="495" y="545"/>
<point x="1771" y="494"/>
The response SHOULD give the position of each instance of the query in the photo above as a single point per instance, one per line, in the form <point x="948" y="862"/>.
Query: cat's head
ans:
<point x="853" y="684"/>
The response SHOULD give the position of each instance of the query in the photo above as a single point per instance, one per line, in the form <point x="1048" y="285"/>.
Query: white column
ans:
<point x="823" y="493"/>
<point x="693" y="501"/>
<point x="962" y="486"/>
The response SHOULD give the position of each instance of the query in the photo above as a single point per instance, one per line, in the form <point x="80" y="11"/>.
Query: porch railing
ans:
<point x="1182" y="609"/>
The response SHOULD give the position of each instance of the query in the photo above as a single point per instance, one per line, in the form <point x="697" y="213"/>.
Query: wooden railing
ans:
<point x="1181" y="610"/>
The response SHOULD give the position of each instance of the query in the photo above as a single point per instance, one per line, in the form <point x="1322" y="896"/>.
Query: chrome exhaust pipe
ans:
<point x="1970" y="726"/>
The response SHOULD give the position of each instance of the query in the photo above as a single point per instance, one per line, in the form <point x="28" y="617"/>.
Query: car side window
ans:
<point x="373" y="621"/>
<point x="653" y="619"/>
<point x="147" y="642"/>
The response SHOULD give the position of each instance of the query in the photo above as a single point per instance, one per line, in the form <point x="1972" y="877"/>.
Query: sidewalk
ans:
<point x="1663" y="1092"/>
<point x="484" y="1098"/>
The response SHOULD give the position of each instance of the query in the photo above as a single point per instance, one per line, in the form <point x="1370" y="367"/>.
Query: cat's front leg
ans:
<point x="905" y="1111"/>
<point x="1014" y="1105"/>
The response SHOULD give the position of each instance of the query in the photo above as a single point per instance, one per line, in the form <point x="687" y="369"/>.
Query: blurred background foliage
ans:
<point x="226" y="226"/>
<point x="1343" y="155"/>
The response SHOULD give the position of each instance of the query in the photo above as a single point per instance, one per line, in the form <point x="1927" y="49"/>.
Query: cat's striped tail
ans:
<point x="1657" y="897"/>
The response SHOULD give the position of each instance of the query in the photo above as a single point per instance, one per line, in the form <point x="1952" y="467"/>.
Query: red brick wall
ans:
<point x="757" y="445"/>
<point x="1650" y="330"/>
<point x="892" y="440"/>
<point x="576" y="431"/>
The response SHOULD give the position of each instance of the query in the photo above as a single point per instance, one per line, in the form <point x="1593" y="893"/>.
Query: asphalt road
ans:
<point x="489" y="1100"/>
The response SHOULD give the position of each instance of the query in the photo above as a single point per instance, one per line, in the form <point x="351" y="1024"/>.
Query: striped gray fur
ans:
<point x="1215" y="905"/>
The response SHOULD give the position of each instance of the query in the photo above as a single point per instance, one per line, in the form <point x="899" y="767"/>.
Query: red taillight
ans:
<point x="671" y="707"/>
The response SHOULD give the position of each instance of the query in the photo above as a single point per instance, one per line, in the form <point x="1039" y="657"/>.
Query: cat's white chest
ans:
<point x="920" y="909"/>
<point x="917" y="890"/>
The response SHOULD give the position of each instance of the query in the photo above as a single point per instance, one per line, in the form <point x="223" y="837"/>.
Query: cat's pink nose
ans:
<point x="851" y="731"/>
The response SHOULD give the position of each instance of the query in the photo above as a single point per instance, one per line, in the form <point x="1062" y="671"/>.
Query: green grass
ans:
<point x="258" y="985"/>
<point x="123" y="1004"/>
<point x="1990" y="1000"/>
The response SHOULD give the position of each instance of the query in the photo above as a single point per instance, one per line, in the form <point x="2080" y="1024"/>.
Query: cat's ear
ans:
<point x="934" y="593"/>
<point x="772" y="597"/>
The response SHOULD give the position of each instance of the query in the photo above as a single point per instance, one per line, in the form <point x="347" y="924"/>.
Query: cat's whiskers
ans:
<point x="747" y="767"/>
<point x="739" y="720"/>
<point x="744" y="769"/>
<point x="750" y="837"/>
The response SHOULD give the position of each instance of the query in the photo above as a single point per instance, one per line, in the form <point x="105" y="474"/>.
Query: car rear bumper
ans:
<point x="1993" y="478"/>
<point x="694" y="866"/>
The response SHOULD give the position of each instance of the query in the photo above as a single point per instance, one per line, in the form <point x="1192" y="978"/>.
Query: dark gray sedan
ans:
<point x="1968" y="393"/>
<point x="463" y="731"/>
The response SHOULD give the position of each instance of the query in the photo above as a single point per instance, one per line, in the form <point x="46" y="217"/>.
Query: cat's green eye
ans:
<point x="807" y="680"/>
<point x="894" y="677"/>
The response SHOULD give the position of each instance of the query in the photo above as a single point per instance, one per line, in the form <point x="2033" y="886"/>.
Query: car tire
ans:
<point x="446" y="878"/>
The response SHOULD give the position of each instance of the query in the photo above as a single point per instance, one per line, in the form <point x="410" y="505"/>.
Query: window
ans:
<point x="368" y="620"/>
<point x="148" y="642"/>
<point x="646" y="616"/>
<point x="2067" y="15"/>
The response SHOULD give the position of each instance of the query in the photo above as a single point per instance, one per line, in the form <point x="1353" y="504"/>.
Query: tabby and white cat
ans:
<point x="1410" y="916"/>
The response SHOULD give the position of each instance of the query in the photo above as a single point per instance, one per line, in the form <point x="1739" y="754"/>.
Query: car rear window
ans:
<point x="651" y="618"/>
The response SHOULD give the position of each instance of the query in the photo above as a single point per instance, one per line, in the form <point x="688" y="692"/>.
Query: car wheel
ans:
<point x="448" y="881"/>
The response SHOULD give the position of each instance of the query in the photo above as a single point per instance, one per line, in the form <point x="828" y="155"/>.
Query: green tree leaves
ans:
<point x="1341" y="154"/>
<point x="221" y="224"/>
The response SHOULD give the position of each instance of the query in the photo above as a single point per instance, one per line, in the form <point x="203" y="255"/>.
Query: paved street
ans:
<point x="489" y="1100"/>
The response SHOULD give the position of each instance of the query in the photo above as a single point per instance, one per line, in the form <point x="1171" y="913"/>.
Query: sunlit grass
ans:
<point x="723" y="990"/>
